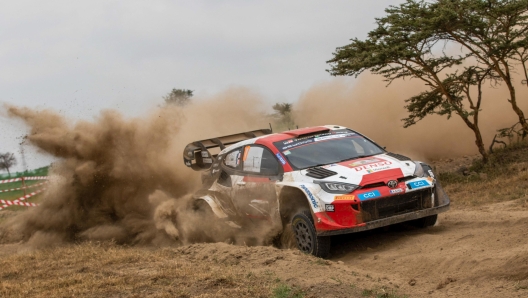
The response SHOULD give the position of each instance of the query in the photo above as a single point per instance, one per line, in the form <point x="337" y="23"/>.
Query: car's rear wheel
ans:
<point x="425" y="222"/>
<point x="306" y="236"/>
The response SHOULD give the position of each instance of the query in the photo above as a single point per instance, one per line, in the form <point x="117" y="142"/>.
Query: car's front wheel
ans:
<point x="306" y="236"/>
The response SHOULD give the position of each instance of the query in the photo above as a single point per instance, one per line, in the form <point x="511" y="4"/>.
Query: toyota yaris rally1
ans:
<point x="320" y="181"/>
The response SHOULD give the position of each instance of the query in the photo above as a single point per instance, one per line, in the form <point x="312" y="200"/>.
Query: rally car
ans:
<point x="320" y="181"/>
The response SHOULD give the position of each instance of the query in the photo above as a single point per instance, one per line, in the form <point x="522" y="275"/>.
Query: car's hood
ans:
<point x="370" y="169"/>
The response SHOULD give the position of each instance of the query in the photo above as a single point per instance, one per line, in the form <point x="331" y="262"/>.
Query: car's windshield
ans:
<point x="332" y="147"/>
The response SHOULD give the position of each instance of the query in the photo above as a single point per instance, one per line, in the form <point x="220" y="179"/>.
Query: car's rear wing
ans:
<point x="197" y="156"/>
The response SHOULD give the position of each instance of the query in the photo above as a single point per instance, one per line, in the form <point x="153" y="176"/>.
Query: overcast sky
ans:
<point x="79" y="57"/>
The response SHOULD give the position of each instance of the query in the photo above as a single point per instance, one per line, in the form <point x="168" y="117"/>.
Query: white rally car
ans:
<point x="324" y="180"/>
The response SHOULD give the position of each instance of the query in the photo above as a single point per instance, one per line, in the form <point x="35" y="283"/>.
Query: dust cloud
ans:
<point x="371" y="107"/>
<point x="124" y="179"/>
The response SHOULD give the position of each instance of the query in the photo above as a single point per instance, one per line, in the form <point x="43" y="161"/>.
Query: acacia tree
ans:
<point x="283" y="115"/>
<point x="7" y="160"/>
<point x="405" y="44"/>
<point x="179" y="97"/>
<point x="494" y="32"/>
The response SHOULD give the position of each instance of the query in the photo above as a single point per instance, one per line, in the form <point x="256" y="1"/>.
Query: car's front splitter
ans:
<point x="387" y="221"/>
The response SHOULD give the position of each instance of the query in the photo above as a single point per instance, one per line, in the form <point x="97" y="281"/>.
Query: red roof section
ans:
<point x="285" y="135"/>
<point x="276" y="137"/>
<point x="304" y="131"/>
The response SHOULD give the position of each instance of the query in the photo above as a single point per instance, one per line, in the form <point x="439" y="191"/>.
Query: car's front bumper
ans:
<point x="387" y="221"/>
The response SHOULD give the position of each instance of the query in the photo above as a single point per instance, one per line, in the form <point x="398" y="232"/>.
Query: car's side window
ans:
<point x="259" y="160"/>
<point x="232" y="159"/>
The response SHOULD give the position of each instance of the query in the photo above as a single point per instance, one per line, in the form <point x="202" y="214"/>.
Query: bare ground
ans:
<point x="472" y="252"/>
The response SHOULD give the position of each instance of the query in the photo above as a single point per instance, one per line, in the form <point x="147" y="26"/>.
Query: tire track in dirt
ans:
<point x="472" y="252"/>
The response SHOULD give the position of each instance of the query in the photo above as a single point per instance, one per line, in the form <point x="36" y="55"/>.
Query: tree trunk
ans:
<point x="480" y="145"/>
<point x="478" y="139"/>
<point x="516" y="109"/>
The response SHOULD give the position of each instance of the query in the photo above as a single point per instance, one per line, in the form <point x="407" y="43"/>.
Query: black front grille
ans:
<point x="320" y="173"/>
<point x="394" y="205"/>
<point x="372" y="185"/>
<point x="405" y="178"/>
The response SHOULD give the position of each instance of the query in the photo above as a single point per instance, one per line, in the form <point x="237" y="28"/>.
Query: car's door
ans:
<point x="254" y="193"/>
<point x="246" y="183"/>
<point x="229" y="167"/>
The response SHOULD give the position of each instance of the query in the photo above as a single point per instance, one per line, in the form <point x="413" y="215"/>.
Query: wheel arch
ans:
<point x="211" y="202"/>
<point x="292" y="200"/>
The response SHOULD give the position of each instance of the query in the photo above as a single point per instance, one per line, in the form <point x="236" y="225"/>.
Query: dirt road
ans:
<point x="473" y="252"/>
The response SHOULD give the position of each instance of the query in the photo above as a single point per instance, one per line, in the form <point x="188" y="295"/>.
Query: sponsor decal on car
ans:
<point x="370" y="171"/>
<point x="374" y="167"/>
<point x="329" y="137"/>
<point x="369" y="195"/>
<point x="310" y="195"/>
<point x="396" y="190"/>
<point x="298" y="143"/>
<point x="345" y="198"/>
<point x="418" y="184"/>
<point x="279" y="156"/>
<point x="205" y="154"/>
<point x="208" y="160"/>
<point x="365" y="162"/>
<point x="329" y="208"/>
<point x="329" y="166"/>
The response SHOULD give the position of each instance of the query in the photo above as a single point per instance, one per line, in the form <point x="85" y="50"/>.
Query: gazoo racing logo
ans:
<point x="310" y="195"/>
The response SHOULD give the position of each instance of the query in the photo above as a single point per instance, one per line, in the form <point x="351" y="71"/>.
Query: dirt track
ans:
<point x="473" y="252"/>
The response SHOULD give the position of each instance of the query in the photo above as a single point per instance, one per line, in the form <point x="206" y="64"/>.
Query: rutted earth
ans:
<point x="472" y="252"/>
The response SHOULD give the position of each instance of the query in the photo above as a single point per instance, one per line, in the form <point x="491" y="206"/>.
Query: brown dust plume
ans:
<point x="124" y="179"/>
<point x="371" y="107"/>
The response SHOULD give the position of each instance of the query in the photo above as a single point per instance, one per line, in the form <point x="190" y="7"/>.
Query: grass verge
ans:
<point x="503" y="178"/>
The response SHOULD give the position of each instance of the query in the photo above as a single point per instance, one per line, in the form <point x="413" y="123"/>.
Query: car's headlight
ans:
<point x="337" y="187"/>
<point x="418" y="171"/>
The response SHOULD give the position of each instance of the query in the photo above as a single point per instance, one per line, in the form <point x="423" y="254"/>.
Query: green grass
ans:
<point x="381" y="292"/>
<point x="13" y="195"/>
<point x="285" y="291"/>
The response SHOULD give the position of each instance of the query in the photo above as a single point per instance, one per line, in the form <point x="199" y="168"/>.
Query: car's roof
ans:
<point x="268" y="140"/>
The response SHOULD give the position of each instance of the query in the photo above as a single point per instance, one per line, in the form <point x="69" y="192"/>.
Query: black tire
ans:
<point x="306" y="237"/>
<point x="425" y="222"/>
